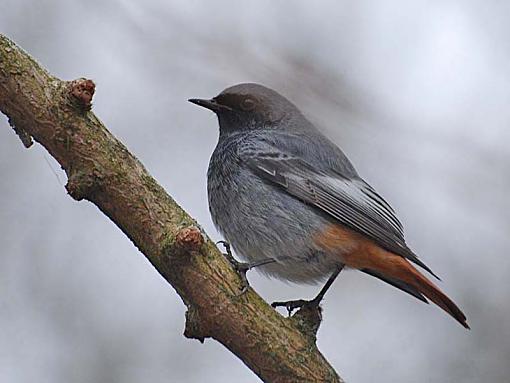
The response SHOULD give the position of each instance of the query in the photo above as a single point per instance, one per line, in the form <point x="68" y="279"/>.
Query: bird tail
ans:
<point x="396" y="268"/>
<point x="432" y="292"/>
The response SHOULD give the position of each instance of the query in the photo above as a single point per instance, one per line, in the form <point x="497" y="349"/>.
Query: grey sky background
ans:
<point x="417" y="93"/>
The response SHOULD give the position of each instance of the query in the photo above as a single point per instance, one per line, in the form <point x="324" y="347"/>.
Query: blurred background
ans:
<point x="417" y="93"/>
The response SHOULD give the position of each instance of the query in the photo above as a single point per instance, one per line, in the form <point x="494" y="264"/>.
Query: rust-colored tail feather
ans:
<point x="360" y="253"/>
<point x="432" y="292"/>
<point x="396" y="267"/>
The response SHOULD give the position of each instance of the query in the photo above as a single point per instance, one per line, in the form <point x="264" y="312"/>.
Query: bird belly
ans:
<point x="261" y="221"/>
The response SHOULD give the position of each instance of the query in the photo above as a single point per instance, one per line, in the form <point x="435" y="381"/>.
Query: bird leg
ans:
<point x="242" y="267"/>
<point x="293" y="305"/>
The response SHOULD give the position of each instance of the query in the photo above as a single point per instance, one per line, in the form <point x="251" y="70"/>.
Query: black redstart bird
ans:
<point x="290" y="202"/>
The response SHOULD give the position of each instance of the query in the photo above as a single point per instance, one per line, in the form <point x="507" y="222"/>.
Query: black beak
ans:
<point x="209" y="104"/>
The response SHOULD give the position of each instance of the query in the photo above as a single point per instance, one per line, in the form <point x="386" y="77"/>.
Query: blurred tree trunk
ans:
<point x="100" y="169"/>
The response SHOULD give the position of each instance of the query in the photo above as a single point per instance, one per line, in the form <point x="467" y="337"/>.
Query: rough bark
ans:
<point x="100" y="169"/>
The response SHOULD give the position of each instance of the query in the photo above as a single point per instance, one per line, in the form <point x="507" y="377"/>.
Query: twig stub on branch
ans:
<point x="190" y="238"/>
<point x="82" y="91"/>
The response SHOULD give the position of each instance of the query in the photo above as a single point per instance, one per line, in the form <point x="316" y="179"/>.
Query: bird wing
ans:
<point x="353" y="202"/>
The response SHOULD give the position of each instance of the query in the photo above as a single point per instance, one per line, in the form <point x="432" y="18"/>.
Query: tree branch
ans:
<point x="100" y="169"/>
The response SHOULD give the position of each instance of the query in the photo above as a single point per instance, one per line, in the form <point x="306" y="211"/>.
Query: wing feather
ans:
<point x="352" y="202"/>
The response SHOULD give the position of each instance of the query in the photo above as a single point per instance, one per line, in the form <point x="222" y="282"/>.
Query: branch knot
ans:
<point x="194" y="328"/>
<point x="24" y="136"/>
<point x="82" y="91"/>
<point x="81" y="185"/>
<point x="190" y="238"/>
<point x="308" y="320"/>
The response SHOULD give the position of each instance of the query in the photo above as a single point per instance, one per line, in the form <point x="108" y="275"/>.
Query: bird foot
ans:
<point x="243" y="267"/>
<point x="308" y="317"/>
<point x="297" y="304"/>
<point x="240" y="267"/>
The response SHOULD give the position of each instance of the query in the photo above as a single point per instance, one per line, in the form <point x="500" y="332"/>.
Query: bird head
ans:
<point x="248" y="107"/>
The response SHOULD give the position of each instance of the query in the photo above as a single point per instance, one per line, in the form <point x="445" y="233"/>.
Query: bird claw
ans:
<point x="295" y="304"/>
<point x="240" y="267"/>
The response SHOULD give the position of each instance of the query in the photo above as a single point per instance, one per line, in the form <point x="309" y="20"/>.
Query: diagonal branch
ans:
<point x="100" y="169"/>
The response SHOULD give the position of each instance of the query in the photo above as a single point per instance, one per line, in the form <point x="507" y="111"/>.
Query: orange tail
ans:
<point x="432" y="292"/>
<point x="395" y="267"/>
<point x="360" y="253"/>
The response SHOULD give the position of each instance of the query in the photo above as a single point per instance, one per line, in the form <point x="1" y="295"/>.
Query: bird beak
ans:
<point x="211" y="104"/>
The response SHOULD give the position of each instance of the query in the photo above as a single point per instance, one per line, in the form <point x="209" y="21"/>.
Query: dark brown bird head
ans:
<point x="249" y="107"/>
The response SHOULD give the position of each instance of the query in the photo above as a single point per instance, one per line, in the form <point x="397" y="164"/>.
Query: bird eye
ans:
<point x="248" y="104"/>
